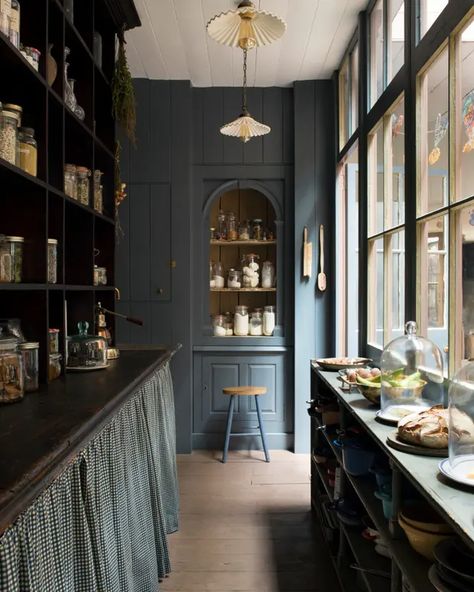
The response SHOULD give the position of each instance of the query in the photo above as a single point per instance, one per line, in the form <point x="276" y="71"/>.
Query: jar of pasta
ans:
<point x="28" y="150"/>
<point x="8" y="136"/>
<point x="70" y="180"/>
<point x="52" y="261"/>
<point x="83" y="174"/>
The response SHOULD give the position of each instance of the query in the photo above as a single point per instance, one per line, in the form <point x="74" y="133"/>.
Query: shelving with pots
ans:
<point x="242" y="266"/>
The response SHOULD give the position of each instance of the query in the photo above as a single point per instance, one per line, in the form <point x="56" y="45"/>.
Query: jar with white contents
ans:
<point x="268" y="320"/>
<point x="217" y="281"/>
<point x="218" y="325"/>
<point x="256" y="324"/>
<point x="235" y="279"/>
<point x="241" y="321"/>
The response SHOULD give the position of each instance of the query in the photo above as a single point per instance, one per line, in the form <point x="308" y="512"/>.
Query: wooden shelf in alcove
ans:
<point x="243" y="289"/>
<point x="242" y="243"/>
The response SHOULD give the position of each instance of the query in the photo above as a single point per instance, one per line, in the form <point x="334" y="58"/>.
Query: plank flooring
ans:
<point x="246" y="526"/>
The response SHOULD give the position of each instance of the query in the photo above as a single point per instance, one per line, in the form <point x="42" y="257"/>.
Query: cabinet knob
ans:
<point x="204" y="388"/>
<point x="160" y="291"/>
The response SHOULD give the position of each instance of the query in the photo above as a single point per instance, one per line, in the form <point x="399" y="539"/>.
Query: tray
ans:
<point x="394" y="442"/>
<point x="327" y="364"/>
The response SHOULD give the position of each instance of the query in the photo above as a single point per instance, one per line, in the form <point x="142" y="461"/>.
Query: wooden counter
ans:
<point x="39" y="435"/>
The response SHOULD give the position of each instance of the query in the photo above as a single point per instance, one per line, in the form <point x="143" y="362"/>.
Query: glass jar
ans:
<point x="221" y="226"/>
<point x="34" y="56"/>
<point x="28" y="150"/>
<point x="70" y="180"/>
<point x="15" y="247"/>
<point x="98" y="192"/>
<point x="5" y="14"/>
<point x="212" y="233"/>
<point x="235" y="279"/>
<point x="82" y="175"/>
<point x="232" y="233"/>
<point x="53" y="341"/>
<point x="217" y="281"/>
<point x="250" y="267"/>
<point x="29" y="353"/>
<point x="100" y="276"/>
<point x="257" y="229"/>
<point x="241" y="321"/>
<point x="52" y="261"/>
<point x="229" y="324"/>
<point x="54" y="367"/>
<point x="11" y="371"/>
<point x="8" y="136"/>
<point x="244" y="230"/>
<point x="218" y="325"/>
<point x="16" y="109"/>
<point x="15" y="23"/>
<point x="268" y="320"/>
<point x="6" y="269"/>
<point x="256" y="324"/>
<point x="268" y="274"/>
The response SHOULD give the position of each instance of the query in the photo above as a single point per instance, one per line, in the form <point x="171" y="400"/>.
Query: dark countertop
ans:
<point x="42" y="433"/>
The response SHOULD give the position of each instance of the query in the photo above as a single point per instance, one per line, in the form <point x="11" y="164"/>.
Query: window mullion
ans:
<point x="388" y="288"/>
<point x="422" y="277"/>
<point x="387" y="170"/>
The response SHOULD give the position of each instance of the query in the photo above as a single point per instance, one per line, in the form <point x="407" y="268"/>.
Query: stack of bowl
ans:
<point x="424" y="528"/>
<point x="454" y="564"/>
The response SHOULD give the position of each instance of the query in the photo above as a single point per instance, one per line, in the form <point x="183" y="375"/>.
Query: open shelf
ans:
<point x="242" y="289"/>
<point x="242" y="243"/>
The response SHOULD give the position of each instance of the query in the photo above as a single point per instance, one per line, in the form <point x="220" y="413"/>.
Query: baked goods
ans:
<point x="425" y="428"/>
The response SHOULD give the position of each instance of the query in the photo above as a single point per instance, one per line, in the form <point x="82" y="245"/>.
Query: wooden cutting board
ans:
<point x="394" y="442"/>
<point x="307" y="254"/>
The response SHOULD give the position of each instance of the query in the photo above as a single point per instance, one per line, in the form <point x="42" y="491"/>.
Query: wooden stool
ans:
<point x="244" y="391"/>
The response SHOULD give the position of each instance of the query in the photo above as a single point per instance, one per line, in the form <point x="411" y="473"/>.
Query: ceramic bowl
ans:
<point x="422" y="542"/>
<point x="421" y="515"/>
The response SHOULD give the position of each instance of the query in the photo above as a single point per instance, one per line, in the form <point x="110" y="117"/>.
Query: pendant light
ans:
<point x="245" y="127"/>
<point x="246" y="27"/>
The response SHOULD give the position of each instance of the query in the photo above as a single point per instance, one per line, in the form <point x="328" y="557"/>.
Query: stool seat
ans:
<point x="248" y="391"/>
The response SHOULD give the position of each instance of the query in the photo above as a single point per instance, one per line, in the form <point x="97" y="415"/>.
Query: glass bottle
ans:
<point x="232" y="233"/>
<point x="221" y="226"/>
<point x="83" y="174"/>
<point x="14" y="33"/>
<point x="268" y="274"/>
<point x="53" y="341"/>
<point x="268" y="320"/>
<point x="11" y="371"/>
<point x="70" y="180"/>
<point x="241" y="321"/>
<point x="218" y="325"/>
<point x="5" y="14"/>
<point x="235" y="279"/>
<point x="98" y="192"/>
<point x="256" y="324"/>
<point x="29" y="353"/>
<point x="8" y="136"/>
<point x="78" y="110"/>
<point x="28" y="150"/>
<point x="52" y="261"/>
<point x="69" y="97"/>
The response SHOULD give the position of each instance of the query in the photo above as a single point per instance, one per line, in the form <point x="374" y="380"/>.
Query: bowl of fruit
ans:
<point x="367" y="380"/>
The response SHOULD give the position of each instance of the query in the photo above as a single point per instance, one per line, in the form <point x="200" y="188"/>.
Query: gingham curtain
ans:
<point x="101" y="526"/>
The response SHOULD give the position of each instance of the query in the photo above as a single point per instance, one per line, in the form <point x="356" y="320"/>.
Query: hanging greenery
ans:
<point x="123" y="94"/>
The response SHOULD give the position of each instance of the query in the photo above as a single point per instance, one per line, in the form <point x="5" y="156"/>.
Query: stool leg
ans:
<point x="262" y="431"/>
<point x="230" y="414"/>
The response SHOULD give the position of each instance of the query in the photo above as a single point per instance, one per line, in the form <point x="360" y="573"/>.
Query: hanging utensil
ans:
<point x="307" y="255"/>
<point x="321" y="274"/>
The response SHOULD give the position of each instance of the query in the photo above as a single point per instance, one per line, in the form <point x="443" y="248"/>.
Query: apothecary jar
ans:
<point x="412" y="375"/>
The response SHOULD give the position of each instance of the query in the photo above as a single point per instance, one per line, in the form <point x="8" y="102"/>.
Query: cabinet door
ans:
<point x="160" y="245"/>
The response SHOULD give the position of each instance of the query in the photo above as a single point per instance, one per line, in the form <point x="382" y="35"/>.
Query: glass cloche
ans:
<point x="411" y="374"/>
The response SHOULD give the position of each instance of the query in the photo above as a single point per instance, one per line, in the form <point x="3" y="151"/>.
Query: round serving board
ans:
<point x="394" y="442"/>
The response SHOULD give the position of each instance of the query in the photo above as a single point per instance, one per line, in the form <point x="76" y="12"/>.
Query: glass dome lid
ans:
<point x="412" y="375"/>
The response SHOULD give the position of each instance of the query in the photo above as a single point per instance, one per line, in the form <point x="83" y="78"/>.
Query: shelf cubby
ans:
<point x="79" y="248"/>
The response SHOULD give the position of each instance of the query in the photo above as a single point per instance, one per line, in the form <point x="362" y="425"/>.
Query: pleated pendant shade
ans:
<point x="245" y="128"/>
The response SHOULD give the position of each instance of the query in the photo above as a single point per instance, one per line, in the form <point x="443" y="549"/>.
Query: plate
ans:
<point x="85" y="368"/>
<point x="392" y="417"/>
<point x="459" y="473"/>
<point x="336" y="363"/>
<point x="394" y="442"/>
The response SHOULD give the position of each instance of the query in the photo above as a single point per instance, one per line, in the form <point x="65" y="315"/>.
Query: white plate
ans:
<point x="395" y="413"/>
<point x="464" y="467"/>
<point x="85" y="368"/>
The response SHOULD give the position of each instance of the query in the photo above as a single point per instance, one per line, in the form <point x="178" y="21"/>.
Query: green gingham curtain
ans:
<point x="101" y="526"/>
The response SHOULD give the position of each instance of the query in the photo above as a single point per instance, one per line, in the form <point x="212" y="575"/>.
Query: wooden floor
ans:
<point x="246" y="526"/>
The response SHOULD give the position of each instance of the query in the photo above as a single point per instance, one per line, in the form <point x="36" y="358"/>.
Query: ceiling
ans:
<point x="172" y="43"/>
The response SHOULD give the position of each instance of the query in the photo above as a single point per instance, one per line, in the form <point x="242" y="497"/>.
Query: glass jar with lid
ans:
<point x="232" y="233"/>
<point x="28" y="150"/>
<point x="257" y="229"/>
<point x="15" y="23"/>
<point x="241" y="321"/>
<point x="100" y="276"/>
<point x="53" y="341"/>
<point x="412" y="375"/>
<point x="98" y="192"/>
<point x="82" y="180"/>
<point x="16" y="109"/>
<point x="11" y="371"/>
<point x="14" y="245"/>
<point x="54" y="367"/>
<point x="29" y="353"/>
<point x="268" y="274"/>
<point x="250" y="274"/>
<point x="229" y="324"/>
<point x="70" y="180"/>
<point x="8" y="135"/>
<point x="6" y="269"/>
<point x="217" y="282"/>
<point x="256" y="323"/>
<point x="235" y="279"/>
<point x="221" y="226"/>
<point x="5" y="14"/>
<point x="268" y="320"/>
<point x="244" y="230"/>
<point x="52" y="261"/>
<point x="218" y="325"/>
<point x="86" y="352"/>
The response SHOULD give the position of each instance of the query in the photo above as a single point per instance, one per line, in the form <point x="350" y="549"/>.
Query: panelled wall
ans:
<point x="180" y="163"/>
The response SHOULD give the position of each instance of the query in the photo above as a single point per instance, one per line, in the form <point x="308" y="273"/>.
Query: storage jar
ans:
<point x="54" y="368"/>
<point x="52" y="261"/>
<point x="257" y="229"/>
<point x="100" y="276"/>
<point x="6" y="271"/>
<point x="218" y="325"/>
<point x="268" y="320"/>
<point x="232" y="233"/>
<point x="53" y="341"/>
<point x="241" y="321"/>
<point x="86" y="351"/>
<point x="268" y="274"/>
<point x="14" y="246"/>
<point x="221" y="226"/>
<point x="82" y="175"/>
<point x="250" y="267"/>
<point x="5" y="13"/>
<point x="15" y="23"/>
<point x="8" y="135"/>
<point x="11" y="371"/>
<point x="98" y="192"/>
<point x="235" y="279"/>
<point x="217" y="281"/>
<point x="244" y="230"/>
<point x="28" y="150"/>
<point x="29" y="353"/>
<point x="70" y="180"/>
<point x="256" y="324"/>
<point x="14" y="108"/>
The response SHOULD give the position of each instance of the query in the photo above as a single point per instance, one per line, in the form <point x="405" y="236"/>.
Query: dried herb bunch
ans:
<point x="123" y="94"/>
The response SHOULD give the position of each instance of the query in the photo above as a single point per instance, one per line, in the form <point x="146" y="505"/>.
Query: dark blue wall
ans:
<point x="179" y="153"/>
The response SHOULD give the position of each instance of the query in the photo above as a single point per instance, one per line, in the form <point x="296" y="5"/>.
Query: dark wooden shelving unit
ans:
<point x="37" y="207"/>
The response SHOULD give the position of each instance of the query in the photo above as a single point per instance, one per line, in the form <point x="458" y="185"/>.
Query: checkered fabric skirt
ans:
<point x="101" y="525"/>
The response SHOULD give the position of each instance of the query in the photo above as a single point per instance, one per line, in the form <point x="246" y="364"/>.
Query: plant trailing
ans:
<point x="123" y="94"/>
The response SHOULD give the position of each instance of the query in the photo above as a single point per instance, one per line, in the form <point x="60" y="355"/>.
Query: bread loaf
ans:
<point x="425" y="428"/>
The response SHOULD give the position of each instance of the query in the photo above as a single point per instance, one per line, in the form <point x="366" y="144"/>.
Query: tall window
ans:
<point x="347" y="217"/>
<point x="396" y="37"/>
<point x="348" y="92"/>
<point x="376" y="51"/>
<point x="386" y="236"/>
<point x="428" y="12"/>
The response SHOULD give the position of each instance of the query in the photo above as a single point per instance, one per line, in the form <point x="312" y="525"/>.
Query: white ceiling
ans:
<point x="172" y="43"/>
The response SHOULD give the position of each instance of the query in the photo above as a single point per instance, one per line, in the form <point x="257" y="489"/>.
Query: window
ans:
<point x="348" y="96"/>
<point x="347" y="217"/>
<point x="428" y="12"/>
<point x="396" y="36"/>
<point x="354" y="88"/>
<point x="376" y="52"/>
<point x="386" y="236"/>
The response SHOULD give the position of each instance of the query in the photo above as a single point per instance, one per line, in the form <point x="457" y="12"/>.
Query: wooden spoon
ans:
<point x="321" y="275"/>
